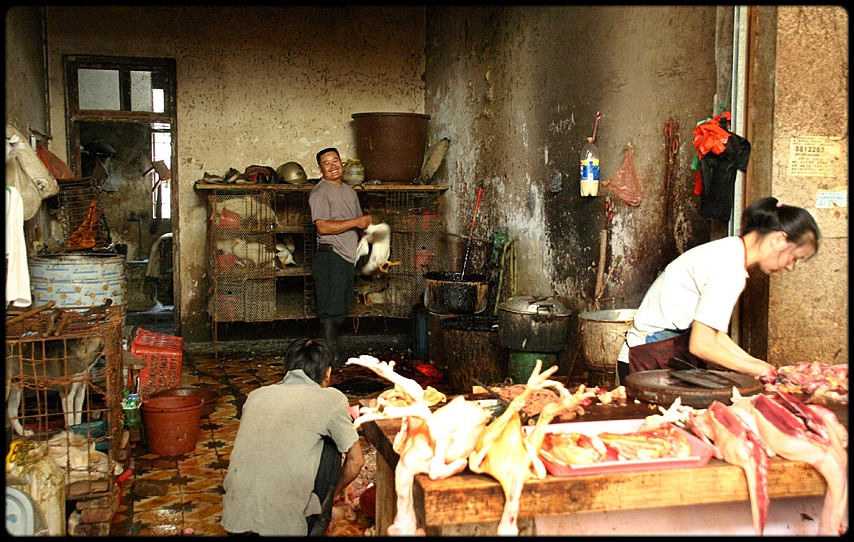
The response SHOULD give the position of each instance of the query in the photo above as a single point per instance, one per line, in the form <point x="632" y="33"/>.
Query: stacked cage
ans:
<point x="242" y="236"/>
<point x="414" y="220"/>
<point x="63" y="378"/>
<point x="262" y="242"/>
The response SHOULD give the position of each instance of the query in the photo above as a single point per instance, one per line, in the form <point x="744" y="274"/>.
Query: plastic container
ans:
<point x="520" y="364"/>
<point x="590" y="169"/>
<point x="162" y="355"/>
<point x="602" y="335"/>
<point x="78" y="280"/>
<point x="701" y="452"/>
<point x="172" y="424"/>
<point x="391" y="146"/>
<point x="210" y="397"/>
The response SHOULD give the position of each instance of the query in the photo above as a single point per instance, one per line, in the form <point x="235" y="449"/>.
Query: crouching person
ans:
<point x="286" y="467"/>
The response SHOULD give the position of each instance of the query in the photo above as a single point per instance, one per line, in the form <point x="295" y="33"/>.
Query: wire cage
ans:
<point x="249" y="227"/>
<point x="82" y="216"/>
<point x="63" y="377"/>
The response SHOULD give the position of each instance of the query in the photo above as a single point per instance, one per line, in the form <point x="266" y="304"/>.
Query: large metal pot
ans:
<point x="533" y="324"/>
<point x="452" y="293"/>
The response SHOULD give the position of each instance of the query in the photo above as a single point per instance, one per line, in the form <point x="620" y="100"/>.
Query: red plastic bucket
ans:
<point x="171" y="424"/>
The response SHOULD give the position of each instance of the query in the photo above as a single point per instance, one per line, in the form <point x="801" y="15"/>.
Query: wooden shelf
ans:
<point x="306" y="187"/>
<point x="264" y="215"/>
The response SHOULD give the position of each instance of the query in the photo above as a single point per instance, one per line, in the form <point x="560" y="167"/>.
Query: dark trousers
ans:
<point x="334" y="280"/>
<point x="622" y="371"/>
<point x="328" y="473"/>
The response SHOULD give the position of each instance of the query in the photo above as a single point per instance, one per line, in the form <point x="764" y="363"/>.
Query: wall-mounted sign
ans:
<point x="828" y="199"/>
<point x="812" y="156"/>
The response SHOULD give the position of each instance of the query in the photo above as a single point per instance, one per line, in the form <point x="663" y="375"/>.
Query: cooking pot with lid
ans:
<point x="533" y="324"/>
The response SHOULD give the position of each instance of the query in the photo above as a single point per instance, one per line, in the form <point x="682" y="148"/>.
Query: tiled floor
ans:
<point x="176" y="496"/>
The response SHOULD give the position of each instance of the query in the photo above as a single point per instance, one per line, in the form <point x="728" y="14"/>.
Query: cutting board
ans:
<point x="662" y="389"/>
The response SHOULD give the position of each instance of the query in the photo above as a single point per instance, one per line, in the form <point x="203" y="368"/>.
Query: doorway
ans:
<point x="121" y="126"/>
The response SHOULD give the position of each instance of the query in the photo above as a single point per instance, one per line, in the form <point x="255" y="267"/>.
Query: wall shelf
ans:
<point x="249" y="284"/>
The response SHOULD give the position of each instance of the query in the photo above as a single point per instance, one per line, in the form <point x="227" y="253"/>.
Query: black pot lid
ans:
<point x="528" y="304"/>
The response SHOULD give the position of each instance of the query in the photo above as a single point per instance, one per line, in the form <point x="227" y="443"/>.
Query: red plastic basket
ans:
<point x="162" y="356"/>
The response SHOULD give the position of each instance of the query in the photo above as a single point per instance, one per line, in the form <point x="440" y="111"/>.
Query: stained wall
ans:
<point x="808" y="307"/>
<point x="517" y="91"/>
<point x="256" y="85"/>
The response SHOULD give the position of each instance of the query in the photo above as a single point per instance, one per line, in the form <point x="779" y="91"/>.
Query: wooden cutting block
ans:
<point x="661" y="388"/>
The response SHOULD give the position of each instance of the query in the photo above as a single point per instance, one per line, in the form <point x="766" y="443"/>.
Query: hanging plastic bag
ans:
<point x="32" y="166"/>
<point x="624" y="182"/>
<point x="57" y="167"/>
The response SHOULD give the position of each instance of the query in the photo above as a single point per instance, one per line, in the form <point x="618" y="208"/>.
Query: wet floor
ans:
<point x="182" y="495"/>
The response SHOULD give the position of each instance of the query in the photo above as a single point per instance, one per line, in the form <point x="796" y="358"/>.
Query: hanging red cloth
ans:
<point x="710" y="136"/>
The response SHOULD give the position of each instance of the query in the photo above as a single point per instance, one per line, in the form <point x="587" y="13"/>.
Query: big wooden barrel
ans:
<point x="473" y="350"/>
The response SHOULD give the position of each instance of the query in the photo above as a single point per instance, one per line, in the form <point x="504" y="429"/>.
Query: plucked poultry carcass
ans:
<point x="84" y="235"/>
<point x="808" y="433"/>
<point x="434" y="443"/>
<point x="504" y="452"/>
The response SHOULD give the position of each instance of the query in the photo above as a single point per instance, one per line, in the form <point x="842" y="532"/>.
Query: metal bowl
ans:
<point x="208" y="396"/>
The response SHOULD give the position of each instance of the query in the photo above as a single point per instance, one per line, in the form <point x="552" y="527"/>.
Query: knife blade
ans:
<point x="491" y="392"/>
<point x="679" y="363"/>
<point x="701" y="378"/>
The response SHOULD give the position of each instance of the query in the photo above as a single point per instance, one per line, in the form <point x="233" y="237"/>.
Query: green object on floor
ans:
<point x="521" y="364"/>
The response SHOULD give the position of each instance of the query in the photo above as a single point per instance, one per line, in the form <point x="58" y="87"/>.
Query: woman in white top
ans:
<point x="697" y="291"/>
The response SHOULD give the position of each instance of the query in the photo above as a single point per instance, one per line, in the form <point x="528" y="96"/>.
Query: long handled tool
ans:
<point x="471" y="232"/>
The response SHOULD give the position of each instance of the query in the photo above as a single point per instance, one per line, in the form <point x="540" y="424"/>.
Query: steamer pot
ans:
<point x="533" y="324"/>
<point x="451" y="293"/>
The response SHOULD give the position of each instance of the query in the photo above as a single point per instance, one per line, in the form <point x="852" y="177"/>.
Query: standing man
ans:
<point x="337" y="215"/>
<point x="286" y="468"/>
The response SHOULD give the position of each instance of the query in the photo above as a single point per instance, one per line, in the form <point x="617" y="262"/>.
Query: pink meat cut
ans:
<point x="812" y="434"/>
<point x="736" y="443"/>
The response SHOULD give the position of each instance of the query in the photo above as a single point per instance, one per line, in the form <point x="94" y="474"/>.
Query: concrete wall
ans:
<point x="256" y="85"/>
<point x="808" y="307"/>
<point x="25" y="69"/>
<point x="26" y="91"/>
<point x="517" y="91"/>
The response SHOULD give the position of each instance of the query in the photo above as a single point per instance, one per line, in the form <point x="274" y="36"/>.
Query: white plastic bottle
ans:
<point x="589" y="169"/>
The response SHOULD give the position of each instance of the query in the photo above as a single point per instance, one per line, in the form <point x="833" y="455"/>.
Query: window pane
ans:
<point x="98" y="89"/>
<point x="140" y="91"/>
<point x="159" y="100"/>
<point x="161" y="149"/>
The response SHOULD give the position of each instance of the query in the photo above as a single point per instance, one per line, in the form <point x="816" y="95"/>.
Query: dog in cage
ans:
<point x="58" y="364"/>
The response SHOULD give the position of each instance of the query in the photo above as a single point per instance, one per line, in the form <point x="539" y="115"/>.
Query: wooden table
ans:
<point x="470" y="503"/>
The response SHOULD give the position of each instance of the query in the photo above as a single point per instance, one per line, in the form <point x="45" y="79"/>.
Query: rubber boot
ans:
<point x="330" y="335"/>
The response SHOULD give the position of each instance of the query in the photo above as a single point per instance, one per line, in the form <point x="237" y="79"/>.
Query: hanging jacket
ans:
<point x="718" y="172"/>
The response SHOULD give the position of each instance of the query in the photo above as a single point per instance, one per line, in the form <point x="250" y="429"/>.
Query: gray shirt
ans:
<point x="330" y="201"/>
<point x="268" y="487"/>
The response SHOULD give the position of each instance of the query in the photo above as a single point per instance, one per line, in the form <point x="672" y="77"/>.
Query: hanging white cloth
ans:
<point x="153" y="267"/>
<point x="18" y="273"/>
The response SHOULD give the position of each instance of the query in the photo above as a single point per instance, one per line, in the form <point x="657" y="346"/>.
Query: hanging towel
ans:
<point x="18" y="273"/>
<point x="153" y="267"/>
